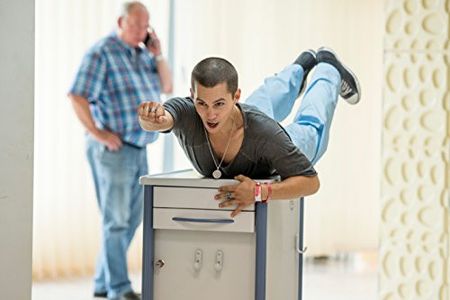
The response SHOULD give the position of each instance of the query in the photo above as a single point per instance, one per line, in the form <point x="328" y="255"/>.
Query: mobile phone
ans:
<point x="148" y="39"/>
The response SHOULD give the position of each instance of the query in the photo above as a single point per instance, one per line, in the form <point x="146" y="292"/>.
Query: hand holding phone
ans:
<point x="148" y="39"/>
<point x="152" y="43"/>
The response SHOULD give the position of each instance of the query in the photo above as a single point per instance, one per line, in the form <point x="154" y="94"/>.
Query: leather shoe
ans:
<point x="129" y="296"/>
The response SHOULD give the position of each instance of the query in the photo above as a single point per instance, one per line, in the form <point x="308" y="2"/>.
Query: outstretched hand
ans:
<point x="240" y="194"/>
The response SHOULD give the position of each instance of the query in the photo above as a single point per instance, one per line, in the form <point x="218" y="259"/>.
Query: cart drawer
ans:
<point x="188" y="197"/>
<point x="204" y="220"/>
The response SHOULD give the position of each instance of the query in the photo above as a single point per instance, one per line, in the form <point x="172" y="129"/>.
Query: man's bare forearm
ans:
<point x="81" y="107"/>
<point x="293" y="187"/>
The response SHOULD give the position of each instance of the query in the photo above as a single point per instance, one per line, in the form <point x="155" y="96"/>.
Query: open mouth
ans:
<point x="212" y="125"/>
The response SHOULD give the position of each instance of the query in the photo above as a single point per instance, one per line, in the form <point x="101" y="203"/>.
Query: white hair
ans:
<point x="128" y="6"/>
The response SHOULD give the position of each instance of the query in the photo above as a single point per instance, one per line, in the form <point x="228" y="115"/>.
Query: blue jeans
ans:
<point x="311" y="126"/>
<point x="120" y="200"/>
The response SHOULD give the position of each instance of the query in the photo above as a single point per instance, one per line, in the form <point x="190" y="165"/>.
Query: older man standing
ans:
<point x="115" y="76"/>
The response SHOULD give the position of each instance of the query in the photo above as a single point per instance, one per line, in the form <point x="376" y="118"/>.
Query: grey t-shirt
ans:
<point x="266" y="150"/>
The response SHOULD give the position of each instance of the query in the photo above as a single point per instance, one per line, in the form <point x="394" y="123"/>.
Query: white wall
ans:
<point x="344" y="215"/>
<point x="16" y="147"/>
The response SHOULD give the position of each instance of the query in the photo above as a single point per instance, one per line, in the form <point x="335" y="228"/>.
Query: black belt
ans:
<point x="133" y="145"/>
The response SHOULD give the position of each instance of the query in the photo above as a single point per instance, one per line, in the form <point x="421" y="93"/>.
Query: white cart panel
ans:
<point x="180" y="279"/>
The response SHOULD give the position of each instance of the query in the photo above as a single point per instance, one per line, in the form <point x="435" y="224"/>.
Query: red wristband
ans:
<point x="269" y="192"/>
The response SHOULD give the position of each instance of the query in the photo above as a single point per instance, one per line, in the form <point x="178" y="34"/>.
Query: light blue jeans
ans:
<point x="311" y="126"/>
<point x="120" y="200"/>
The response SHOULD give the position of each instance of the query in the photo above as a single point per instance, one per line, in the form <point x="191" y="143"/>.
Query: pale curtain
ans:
<point x="66" y="220"/>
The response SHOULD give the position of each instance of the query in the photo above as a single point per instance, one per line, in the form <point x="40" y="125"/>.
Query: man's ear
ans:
<point x="119" y="22"/>
<point x="192" y="93"/>
<point x="237" y="95"/>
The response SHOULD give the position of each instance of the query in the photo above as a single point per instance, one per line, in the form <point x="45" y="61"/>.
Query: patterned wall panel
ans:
<point x="413" y="25"/>
<point x="416" y="101"/>
<point x="413" y="271"/>
<point x="414" y="233"/>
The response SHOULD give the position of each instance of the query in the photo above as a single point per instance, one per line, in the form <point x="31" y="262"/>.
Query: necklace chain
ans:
<point x="217" y="171"/>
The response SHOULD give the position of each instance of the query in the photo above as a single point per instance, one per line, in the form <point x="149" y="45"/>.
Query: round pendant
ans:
<point x="217" y="174"/>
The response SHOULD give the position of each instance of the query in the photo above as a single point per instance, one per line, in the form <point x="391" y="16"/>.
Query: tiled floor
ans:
<point x="349" y="277"/>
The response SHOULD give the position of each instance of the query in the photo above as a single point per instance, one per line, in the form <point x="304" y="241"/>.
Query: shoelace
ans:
<point x="345" y="88"/>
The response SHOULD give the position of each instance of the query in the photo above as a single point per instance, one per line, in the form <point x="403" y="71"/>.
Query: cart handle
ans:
<point x="201" y="220"/>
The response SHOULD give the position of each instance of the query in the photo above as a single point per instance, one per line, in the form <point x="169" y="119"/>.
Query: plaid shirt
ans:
<point x="116" y="78"/>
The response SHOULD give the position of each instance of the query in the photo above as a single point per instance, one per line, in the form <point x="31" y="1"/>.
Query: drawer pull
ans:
<point x="201" y="220"/>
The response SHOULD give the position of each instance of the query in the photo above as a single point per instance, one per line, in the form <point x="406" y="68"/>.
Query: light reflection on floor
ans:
<point x="342" y="277"/>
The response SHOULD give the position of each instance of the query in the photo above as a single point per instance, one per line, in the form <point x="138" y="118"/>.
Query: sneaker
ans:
<point x="129" y="296"/>
<point x="307" y="60"/>
<point x="100" y="295"/>
<point x="350" y="90"/>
